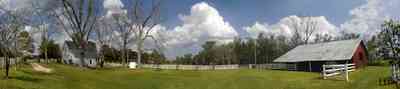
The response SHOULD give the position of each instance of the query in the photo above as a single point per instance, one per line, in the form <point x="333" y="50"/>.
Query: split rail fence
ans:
<point x="190" y="67"/>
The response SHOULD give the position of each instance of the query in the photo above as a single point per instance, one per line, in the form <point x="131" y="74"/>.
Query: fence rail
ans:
<point x="190" y="67"/>
<point x="12" y="61"/>
<point x="395" y="70"/>
<point x="333" y="70"/>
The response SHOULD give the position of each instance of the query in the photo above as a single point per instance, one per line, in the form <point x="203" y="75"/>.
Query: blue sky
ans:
<point x="187" y="24"/>
<point x="251" y="17"/>
<point x="245" y="12"/>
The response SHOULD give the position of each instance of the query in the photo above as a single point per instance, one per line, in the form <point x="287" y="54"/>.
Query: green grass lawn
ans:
<point x="69" y="77"/>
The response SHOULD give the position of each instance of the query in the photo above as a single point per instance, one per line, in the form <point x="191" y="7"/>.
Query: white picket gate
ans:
<point x="333" y="70"/>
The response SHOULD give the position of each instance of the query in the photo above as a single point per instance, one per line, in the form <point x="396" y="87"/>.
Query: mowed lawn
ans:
<point x="69" y="77"/>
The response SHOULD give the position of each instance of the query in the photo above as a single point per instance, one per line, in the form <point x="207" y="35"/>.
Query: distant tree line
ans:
<point x="260" y="50"/>
<point x="114" y="55"/>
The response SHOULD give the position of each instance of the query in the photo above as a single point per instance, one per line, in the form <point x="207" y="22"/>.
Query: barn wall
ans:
<point x="360" y="56"/>
<point x="316" y="66"/>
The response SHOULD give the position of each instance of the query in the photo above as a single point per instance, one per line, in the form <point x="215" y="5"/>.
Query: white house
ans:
<point x="71" y="54"/>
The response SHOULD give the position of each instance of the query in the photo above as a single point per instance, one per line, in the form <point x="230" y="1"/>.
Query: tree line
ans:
<point x="261" y="50"/>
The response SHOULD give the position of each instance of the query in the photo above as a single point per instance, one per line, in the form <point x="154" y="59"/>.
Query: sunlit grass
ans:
<point x="69" y="77"/>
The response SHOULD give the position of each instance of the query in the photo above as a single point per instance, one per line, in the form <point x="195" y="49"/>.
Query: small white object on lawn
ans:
<point x="132" y="65"/>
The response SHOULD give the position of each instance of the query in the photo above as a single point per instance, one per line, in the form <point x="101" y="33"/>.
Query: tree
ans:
<point x="348" y="36"/>
<point x="123" y="26"/>
<point x="104" y="37"/>
<point x="142" y="23"/>
<point x="78" y="17"/>
<point x="11" y="22"/>
<point x="25" y="44"/>
<point x="42" y="13"/>
<point x="49" y="49"/>
<point x="390" y="35"/>
<point x="303" y="30"/>
<point x="309" y="28"/>
<point x="208" y="53"/>
<point x="320" y="38"/>
<point x="136" y="25"/>
<point x="185" y="59"/>
<point x="110" y="54"/>
<point x="373" y="48"/>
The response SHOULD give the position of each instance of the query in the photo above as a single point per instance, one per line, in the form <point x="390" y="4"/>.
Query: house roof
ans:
<point x="329" y="51"/>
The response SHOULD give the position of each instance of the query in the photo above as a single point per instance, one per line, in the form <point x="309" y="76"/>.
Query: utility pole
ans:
<point x="255" y="53"/>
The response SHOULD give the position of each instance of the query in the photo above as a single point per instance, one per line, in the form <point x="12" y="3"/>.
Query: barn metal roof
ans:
<point x="329" y="51"/>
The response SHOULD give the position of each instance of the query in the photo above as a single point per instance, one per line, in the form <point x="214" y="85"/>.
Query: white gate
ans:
<point x="332" y="70"/>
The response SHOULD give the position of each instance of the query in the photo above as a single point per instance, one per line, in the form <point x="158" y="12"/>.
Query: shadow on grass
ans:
<point x="335" y="78"/>
<point x="387" y="81"/>
<point x="26" y="78"/>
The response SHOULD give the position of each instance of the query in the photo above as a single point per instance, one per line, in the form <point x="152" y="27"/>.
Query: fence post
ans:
<point x="177" y="66"/>
<point x="346" y="71"/>
<point x="323" y="71"/>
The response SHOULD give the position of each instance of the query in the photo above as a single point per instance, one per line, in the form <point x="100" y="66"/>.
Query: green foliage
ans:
<point x="25" y="42"/>
<point x="389" y="46"/>
<point x="111" y="54"/>
<point x="114" y="55"/>
<point x="379" y="62"/>
<point x="155" y="57"/>
<point x="265" y="48"/>
<point x="53" y="50"/>
<point x="185" y="59"/>
<point x="69" y="77"/>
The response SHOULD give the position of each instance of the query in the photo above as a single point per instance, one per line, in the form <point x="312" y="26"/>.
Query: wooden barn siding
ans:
<point x="360" y="56"/>
<point x="316" y="66"/>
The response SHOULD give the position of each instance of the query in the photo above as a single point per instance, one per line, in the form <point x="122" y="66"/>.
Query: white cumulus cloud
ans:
<point x="204" y="23"/>
<point x="367" y="18"/>
<point x="114" y="7"/>
<point x="286" y="27"/>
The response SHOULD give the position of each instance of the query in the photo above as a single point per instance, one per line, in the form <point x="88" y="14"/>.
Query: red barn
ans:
<point x="311" y="57"/>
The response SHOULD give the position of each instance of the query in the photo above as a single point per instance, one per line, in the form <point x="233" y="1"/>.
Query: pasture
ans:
<point x="70" y="77"/>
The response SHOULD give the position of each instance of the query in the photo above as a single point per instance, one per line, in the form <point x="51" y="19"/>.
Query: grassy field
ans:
<point x="68" y="77"/>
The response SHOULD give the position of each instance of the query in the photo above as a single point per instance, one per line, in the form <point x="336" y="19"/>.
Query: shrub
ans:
<point x="379" y="62"/>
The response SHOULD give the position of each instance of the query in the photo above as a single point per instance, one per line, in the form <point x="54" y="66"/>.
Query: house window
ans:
<point x="90" y="61"/>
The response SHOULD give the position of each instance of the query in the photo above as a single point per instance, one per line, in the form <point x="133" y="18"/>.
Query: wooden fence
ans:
<point x="395" y="70"/>
<point x="333" y="70"/>
<point x="12" y="61"/>
<point x="190" y="67"/>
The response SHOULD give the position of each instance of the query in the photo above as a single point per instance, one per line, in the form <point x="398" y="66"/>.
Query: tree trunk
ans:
<point x="101" y="60"/>
<point x="7" y="67"/>
<point x="139" y="54"/>
<point x="82" y="64"/>
<point x="124" y="48"/>
<point x="45" y="55"/>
